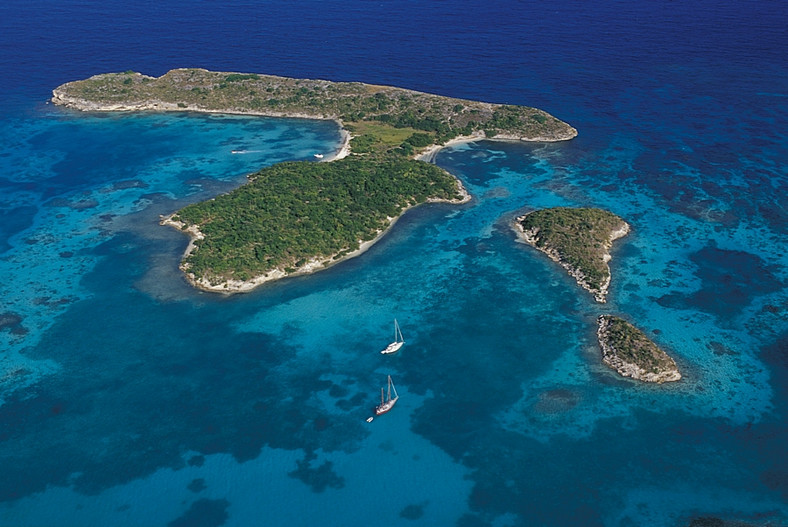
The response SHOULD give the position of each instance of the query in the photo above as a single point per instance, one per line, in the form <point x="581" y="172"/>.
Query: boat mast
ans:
<point x="389" y="388"/>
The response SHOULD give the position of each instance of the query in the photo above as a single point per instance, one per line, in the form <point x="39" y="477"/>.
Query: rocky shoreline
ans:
<point x="627" y="350"/>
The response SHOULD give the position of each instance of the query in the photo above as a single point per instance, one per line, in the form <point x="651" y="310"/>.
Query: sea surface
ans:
<point x="128" y="398"/>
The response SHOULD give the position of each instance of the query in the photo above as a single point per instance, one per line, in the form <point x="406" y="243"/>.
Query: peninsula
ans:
<point x="299" y="217"/>
<point x="627" y="350"/>
<point x="578" y="239"/>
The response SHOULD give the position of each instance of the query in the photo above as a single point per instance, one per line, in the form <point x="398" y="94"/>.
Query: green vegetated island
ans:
<point x="631" y="353"/>
<point x="580" y="239"/>
<point x="299" y="217"/>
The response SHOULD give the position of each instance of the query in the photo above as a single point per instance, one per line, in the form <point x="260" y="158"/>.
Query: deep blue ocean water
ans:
<point x="128" y="398"/>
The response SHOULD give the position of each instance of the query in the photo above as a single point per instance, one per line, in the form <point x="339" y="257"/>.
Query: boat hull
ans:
<point x="392" y="348"/>
<point x="385" y="407"/>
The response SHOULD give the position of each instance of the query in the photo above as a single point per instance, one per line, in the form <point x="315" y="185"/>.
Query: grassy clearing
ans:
<point x="377" y="137"/>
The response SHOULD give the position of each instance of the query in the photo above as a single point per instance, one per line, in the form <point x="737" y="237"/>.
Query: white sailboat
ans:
<point x="398" y="341"/>
<point x="389" y="402"/>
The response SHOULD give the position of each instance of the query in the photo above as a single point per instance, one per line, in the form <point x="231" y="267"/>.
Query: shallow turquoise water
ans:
<point x="123" y="381"/>
<point x="129" y="398"/>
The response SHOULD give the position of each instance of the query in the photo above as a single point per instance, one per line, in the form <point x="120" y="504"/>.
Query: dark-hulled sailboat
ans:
<point x="388" y="402"/>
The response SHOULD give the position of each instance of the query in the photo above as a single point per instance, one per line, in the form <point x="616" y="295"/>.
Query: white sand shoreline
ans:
<point x="344" y="149"/>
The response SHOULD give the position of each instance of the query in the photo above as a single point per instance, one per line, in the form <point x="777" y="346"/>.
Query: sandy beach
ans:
<point x="344" y="148"/>
<point x="428" y="154"/>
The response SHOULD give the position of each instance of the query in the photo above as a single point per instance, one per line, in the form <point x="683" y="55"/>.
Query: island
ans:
<point x="631" y="353"/>
<point x="199" y="90"/>
<point x="578" y="239"/>
<point x="298" y="217"/>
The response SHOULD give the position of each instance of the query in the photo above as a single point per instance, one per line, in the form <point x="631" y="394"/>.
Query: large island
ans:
<point x="302" y="216"/>
<point x="192" y="89"/>
<point x="299" y="217"/>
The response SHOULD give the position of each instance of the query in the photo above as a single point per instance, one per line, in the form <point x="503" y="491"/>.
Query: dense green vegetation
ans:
<point x="580" y="236"/>
<point x="633" y="346"/>
<point x="294" y="211"/>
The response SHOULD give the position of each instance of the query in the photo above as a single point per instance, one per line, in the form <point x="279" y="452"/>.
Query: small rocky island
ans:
<point x="631" y="353"/>
<point x="299" y="217"/>
<point x="579" y="239"/>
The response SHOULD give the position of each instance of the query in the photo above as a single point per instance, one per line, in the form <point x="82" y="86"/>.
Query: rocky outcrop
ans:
<point x="631" y="353"/>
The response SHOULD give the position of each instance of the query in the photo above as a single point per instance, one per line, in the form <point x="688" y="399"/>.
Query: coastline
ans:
<point x="428" y="154"/>
<point x="600" y="294"/>
<point x="58" y="98"/>
<point x="344" y="149"/>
